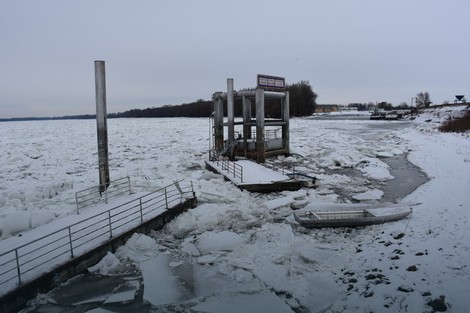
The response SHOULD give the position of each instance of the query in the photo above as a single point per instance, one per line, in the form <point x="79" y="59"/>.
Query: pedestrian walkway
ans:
<point x="42" y="250"/>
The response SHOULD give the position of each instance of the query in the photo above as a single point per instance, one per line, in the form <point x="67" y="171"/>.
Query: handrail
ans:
<point x="93" y="195"/>
<point x="283" y="168"/>
<point x="270" y="134"/>
<point x="21" y="263"/>
<point x="227" y="165"/>
<point x="231" y="167"/>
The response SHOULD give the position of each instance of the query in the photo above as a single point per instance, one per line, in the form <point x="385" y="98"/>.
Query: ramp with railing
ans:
<point x="230" y="168"/>
<point x="30" y="260"/>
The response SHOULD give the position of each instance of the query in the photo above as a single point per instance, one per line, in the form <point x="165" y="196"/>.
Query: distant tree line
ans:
<point x="423" y="100"/>
<point x="302" y="101"/>
<point x="200" y="108"/>
<point x="66" y="117"/>
<point x="370" y="106"/>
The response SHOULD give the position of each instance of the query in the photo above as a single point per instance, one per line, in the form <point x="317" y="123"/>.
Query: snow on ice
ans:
<point x="245" y="252"/>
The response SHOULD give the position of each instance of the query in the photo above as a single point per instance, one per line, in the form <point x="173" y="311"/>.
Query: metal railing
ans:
<point x="285" y="168"/>
<point x="43" y="254"/>
<point x="93" y="195"/>
<point x="214" y="154"/>
<point x="231" y="167"/>
<point x="269" y="134"/>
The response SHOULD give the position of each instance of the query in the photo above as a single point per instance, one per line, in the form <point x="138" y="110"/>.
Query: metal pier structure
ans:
<point x="270" y="136"/>
<point x="46" y="256"/>
<point x="238" y="148"/>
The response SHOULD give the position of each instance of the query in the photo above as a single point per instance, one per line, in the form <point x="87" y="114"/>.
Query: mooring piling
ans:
<point x="102" y="128"/>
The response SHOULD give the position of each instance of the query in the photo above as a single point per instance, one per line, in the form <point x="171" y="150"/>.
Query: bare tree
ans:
<point x="423" y="100"/>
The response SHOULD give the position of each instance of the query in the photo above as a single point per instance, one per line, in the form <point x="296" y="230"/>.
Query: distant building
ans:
<point x="347" y="108"/>
<point x="327" y="108"/>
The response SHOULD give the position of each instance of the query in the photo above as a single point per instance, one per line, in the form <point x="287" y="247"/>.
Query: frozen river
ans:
<point x="237" y="250"/>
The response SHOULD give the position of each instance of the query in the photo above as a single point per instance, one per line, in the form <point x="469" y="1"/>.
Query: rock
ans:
<point x="368" y="294"/>
<point x="397" y="236"/>
<point x="405" y="289"/>
<point x="438" y="304"/>
<point x="412" y="268"/>
<point x="371" y="276"/>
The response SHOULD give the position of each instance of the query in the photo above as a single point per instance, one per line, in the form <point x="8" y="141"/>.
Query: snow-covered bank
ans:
<point x="237" y="247"/>
<point x="430" y="261"/>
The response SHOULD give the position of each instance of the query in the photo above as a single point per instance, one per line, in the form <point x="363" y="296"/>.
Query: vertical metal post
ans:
<point x="18" y="266"/>
<point x="260" y="139"/>
<point x="166" y="199"/>
<point x="100" y="91"/>
<point x="140" y="206"/>
<point x="76" y="202"/>
<point x="70" y="242"/>
<point x="110" y="226"/>
<point x="246" y="104"/>
<point x="285" y="118"/>
<point x="230" y="111"/>
<point x="218" y="120"/>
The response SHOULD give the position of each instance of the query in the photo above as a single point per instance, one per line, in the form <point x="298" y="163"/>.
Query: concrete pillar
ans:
<point x="246" y="103"/>
<point x="218" y="120"/>
<point x="260" y="140"/>
<point x="100" y="91"/>
<point x="230" y="111"/>
<point x="285" y="118"/>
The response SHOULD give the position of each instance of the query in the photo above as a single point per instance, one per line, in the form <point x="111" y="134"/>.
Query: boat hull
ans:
<point x="356" y="218"/>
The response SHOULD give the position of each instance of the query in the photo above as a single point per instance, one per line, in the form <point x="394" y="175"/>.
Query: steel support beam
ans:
<point x="285" y="118"/>
<point x="230" y="111"/>
<point x="260" y="140"/>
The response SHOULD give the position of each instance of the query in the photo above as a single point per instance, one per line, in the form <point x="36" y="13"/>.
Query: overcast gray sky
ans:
<point x="171" y="52"/>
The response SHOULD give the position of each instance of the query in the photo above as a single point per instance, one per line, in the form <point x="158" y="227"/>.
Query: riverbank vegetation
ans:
<point x="302" y="103"/>
<point x="457" y="125"/>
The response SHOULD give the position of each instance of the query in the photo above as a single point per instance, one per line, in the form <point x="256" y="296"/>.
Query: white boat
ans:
<point x="351" y="218"/>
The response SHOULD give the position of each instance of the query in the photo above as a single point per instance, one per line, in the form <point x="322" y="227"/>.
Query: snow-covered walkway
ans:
<point x="249" y="172"/>
<point x="40" y="250"/>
